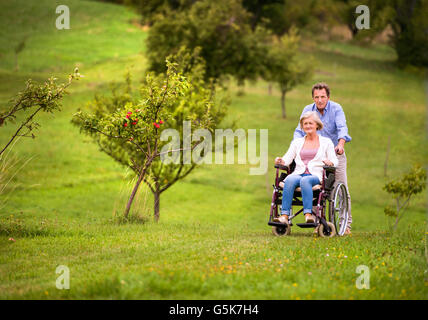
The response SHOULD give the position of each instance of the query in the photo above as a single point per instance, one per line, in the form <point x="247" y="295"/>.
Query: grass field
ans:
<point x="212" y="240"/>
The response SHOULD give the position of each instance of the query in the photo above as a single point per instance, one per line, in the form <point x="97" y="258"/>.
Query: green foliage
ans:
<point x="403" y="189"/>
<point x="410" y="27"/>
<point x="283" y="65"/>
<point x="129" y="130"/>
<point x="279" y="16"/>
<point x="221" y="29"/>
<point x="33" y="99"/>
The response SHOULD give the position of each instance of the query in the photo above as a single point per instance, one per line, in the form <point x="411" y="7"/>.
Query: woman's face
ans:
<point x="309" y="125"/>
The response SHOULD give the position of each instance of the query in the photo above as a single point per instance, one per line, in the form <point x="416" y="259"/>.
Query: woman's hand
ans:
<point x="328" y="163"/>
<point x="279" y="160"/>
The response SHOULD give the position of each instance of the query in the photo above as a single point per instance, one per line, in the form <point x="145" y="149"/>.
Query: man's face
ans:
<point x="320" y="98"/>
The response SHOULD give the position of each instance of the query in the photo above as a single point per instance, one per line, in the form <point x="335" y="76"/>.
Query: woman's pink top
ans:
<point x="307" y="155"/>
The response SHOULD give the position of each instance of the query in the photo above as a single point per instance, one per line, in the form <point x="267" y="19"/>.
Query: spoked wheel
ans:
<point x="281" y="231"/>
<point x="323" y="232"/>
<point x="338" y="208"/>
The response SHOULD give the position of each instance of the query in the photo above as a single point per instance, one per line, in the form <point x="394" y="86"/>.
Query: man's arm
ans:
<point x="342" y="130"/>
<point x="340" y="148"/>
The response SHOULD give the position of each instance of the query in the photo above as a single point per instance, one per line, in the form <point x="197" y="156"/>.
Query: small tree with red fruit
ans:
<point x="129" y="131"/>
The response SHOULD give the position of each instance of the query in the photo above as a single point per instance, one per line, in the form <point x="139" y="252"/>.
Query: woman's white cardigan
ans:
<point x="315" y="166"/>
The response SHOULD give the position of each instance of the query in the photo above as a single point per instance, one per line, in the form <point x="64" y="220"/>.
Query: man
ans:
<point x="334" y="121"/>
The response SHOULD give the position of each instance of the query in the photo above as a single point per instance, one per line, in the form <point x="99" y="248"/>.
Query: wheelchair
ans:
<point x="329" y="198"/>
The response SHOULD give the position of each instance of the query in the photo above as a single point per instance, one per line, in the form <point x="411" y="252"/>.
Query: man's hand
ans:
<point x="340" y="148"/>
<point x="279" y="160"/>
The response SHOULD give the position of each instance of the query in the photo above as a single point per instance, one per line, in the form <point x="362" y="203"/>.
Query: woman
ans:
<point x="310" y="153"/>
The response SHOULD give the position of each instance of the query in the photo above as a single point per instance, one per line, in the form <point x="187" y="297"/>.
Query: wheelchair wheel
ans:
<point x="338" y="209"/>
<point x="323" y="232"/>
<point x="281" y="231"/>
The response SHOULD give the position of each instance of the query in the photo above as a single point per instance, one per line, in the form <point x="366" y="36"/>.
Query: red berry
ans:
<point x="160" y="121"/>
<point x="134" y="123"/>
<point x="125" y="124"/>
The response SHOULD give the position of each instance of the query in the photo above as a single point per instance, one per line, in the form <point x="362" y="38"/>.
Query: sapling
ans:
<point x="130" y="131"/>
<point x="402" y="190"/>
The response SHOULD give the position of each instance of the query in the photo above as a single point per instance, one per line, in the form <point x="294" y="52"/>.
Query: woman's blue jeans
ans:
<point x="305" y="182"/>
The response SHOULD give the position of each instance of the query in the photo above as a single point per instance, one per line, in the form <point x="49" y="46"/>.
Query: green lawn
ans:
<point x="212" y="241"/>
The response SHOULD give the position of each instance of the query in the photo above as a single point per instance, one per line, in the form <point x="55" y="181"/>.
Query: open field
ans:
<point x="212" y="240"/>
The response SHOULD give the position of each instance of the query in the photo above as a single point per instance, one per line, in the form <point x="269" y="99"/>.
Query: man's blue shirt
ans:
<point x="334" y="122"/>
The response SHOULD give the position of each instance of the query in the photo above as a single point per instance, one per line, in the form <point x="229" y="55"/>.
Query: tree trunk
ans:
<point x="283" y="92"/>
<point x="131" y="199"/>
<point x="157" y="203"/>
<point x="270" y="89"/>
<point x="16" y="62"/>
<point x="385" y="166"/>
<point x="134" y="191"/>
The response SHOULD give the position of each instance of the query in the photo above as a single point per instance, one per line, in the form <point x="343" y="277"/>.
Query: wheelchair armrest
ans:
<point x="281" y="167"/>
<point x="330" y="176"/>
<point x="329" y="169"/>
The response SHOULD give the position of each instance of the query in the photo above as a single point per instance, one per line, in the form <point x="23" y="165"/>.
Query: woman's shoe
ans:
<point x="283" y="219"/>
<point x="309" y="218"/>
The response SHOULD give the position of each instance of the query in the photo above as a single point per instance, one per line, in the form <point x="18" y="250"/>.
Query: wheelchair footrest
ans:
<point x="276" y="224"/>
<point x="307" y="225"/>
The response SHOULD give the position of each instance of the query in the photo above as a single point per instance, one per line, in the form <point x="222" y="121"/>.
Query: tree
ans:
<point x="34" y="99"/>
<point x="162" y="176"/>
<point x="402" y="190"/>
<point x="410" y="28"/>
<point x="27" y="104"/>
<point x="283" y="66"/>
<point x="130" y="131"/>
<point x="221" y="29"/>
<point x="18" y="49"/>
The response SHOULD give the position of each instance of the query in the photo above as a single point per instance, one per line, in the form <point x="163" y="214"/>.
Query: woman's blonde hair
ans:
<point x="314" y="116"/>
